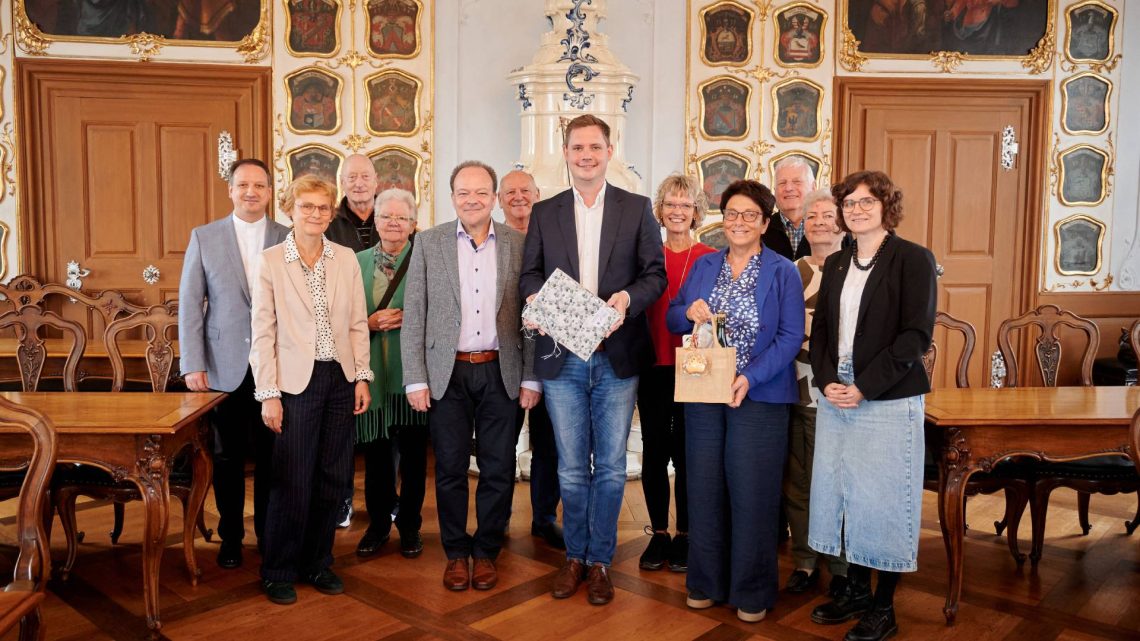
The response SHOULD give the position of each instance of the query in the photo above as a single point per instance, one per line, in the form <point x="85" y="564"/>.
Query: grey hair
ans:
<point x="794" y="161"/>
<point x="399" y="195"/>
<point x="817" y="196"/>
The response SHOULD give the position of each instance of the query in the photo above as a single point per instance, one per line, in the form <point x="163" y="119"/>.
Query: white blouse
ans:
<point x="849" y="300"/>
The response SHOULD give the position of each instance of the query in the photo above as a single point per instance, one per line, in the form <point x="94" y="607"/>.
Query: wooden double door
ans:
<point x="941" y="141"/>
<point x="120" y="161"/>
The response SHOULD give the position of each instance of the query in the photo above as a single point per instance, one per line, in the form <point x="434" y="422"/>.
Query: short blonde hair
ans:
<point x="686" y="185"/>
<point x="307" y="184"/>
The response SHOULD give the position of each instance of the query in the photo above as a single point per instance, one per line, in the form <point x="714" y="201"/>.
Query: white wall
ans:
<point x="1125" y="254"/>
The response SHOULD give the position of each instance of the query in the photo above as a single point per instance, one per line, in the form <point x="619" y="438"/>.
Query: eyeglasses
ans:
<point x="865" y="203"/>
<point x="309" y="208"/>
<point x="400" y="219"/>
<point x="677" y="206"/>
<point x="749" y="215"/>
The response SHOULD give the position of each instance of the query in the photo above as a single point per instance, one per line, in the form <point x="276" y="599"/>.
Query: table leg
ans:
<point x="203" y="468"/>
<point x="956" y="471"/>
<point x="153" y="481"/>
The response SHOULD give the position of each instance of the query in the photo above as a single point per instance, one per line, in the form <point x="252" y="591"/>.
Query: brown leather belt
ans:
<point x="485" y="356"/>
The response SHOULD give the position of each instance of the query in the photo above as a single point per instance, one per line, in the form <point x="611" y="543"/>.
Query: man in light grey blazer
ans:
<point x="465" y="365"/>
<point x="213" y="334"/>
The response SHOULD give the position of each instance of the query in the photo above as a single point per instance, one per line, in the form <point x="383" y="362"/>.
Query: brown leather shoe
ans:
<point x="599" y="589"/>
<point x="456" y="577"/>
<point x="483" y="574"/>
<point x="567" y="580"/>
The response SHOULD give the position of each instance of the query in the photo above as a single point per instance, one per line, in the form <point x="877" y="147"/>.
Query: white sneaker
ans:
<point x="344" y="515"/>
<point x="751" y="617"/>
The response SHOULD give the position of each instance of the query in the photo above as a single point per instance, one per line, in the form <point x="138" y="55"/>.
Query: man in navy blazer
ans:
<point x="607" y="239"/>
<point x="213" y="336"/>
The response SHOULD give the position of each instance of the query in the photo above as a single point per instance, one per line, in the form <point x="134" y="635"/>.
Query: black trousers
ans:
<point x="380" y="478"/>
<point x="544" y="492"/>
<point x="475" y="400"/>
<point x="662" y="438"/>
<point x="238" y="434"/>
<point x="312" y="472"/>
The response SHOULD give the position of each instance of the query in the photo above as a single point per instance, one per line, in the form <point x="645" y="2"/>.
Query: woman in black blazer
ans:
<point x="873" y="322"/>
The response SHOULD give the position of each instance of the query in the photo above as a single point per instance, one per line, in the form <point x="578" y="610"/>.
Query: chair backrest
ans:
<point x="1134" y="338"/>
<point x="25" y="290"/>
<point x="31" y="352"/>
<point x="157" y="322"/>
<point x="1134" y="439"/>
<point x="1048" y="318"/>
<point x="33" y="560"/>
<point x="969" y="337"/>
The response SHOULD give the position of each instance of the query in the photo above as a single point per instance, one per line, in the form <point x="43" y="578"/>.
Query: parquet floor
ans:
<point x="1087" y="587"/>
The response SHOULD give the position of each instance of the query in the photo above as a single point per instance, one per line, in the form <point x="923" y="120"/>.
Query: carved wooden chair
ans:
<point x="28" y="321"/>
<point x="159" y="323"/>
<point x="20" y="600"/>
<point x="1101" y="475"/>
<point x="1009" y="476"/>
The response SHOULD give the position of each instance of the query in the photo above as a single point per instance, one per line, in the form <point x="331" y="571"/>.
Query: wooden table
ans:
<point x="135" y="437"/>
<point x="93" y="364"/>
<point x="981" y="426"/>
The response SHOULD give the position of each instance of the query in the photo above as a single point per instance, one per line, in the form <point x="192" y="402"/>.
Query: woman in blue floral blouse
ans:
<point x="736" y="451"/>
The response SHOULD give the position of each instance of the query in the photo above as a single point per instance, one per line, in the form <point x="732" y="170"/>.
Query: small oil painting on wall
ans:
<point x="796" y="113"/>
<point x="726" y="34"/>
<point x="1084" y="171"/>
<point x="1005" y="28"/>
<point x="314" y="98"/>
<point x="811" y="160"/>
<point x="393" y="103"/>
<point x="1090" y="26"/>
<point x="314" y="160"/>
<point x="724" y="108"/>
<point x="1079" y="242"/>
<point x="718" y="170"/>
<point x="800" y="28"/>
<point x="393" y="28"/>
<point x="1084" y="104"/>
<point x="311" y="27"/>
<point x="228" y="21"/>
<point x="396" y="168"/>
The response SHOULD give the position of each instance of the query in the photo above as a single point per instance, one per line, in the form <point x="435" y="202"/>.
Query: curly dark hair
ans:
<point x="753" y="191"/>
<point x="881" y="187"/>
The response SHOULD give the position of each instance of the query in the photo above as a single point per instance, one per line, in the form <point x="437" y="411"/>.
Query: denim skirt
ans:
<point x="866" y="488"/>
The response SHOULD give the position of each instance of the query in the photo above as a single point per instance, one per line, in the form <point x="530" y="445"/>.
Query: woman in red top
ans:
<point x="680" y="206"/>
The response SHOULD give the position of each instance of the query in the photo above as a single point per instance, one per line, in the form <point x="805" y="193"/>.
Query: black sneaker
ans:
<point x="326" y="582"/>
<point x="855" y="599"/>
<point x="657" y="552"/>
<point x="411" y="544"/>
<point x="280" y="592"/>
<point x="679" y="553"/>
<point x="876" y="625"/>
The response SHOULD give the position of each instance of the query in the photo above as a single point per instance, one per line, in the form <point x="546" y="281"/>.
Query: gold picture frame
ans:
<point x="253" y="46"/>
<point x="1105" y="104"/>
<point x="382" y="183"/>
<point x="751" y="21"/>
<point x="712" y="235"/>
<point x="1069" y="32"/>
<point x="714" y="203"/>
<point x="289" y="32"/>
<point x="798" y="7"/>
<point x="368" y="4"/>
<point x="815" y="162"/>
<point x="724" y="80"/>
<point x="298" y="152"/>
<point x="778" y="113"/>
<point x="1063" y="177"/>
<point x="375" y="103"/>
<point x="1066" y="238"/>
<point x="292" y="101"/>
<point x="3" y="250"/>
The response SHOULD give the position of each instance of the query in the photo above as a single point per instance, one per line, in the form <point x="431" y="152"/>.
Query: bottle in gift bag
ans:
<point x="721" y="323"/>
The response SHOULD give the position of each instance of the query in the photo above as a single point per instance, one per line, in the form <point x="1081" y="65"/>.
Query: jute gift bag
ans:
<point x="705" y="368"/>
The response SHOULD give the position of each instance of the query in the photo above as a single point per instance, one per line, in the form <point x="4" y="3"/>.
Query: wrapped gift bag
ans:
<point x="705" y="368"/>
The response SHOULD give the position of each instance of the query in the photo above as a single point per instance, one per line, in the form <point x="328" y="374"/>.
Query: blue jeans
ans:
<point x="591" y="409"/>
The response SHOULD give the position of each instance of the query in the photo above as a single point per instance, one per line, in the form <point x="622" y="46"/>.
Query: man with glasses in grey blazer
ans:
<point x="213" y="334"/>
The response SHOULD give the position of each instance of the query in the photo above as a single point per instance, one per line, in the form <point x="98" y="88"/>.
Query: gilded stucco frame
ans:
<point x="1111" y="31"/>
<point x="339" y="82"/>
<point x="822" y="35"/>
<point x="419" y="164"/>
<point x="1065" y="104"/>
<point x="419" y="84"/>
<point x="289" y="155"/>
<point x="704" y="34"/>
<point x="395" y="56"/>
<point x="747" y="104"/>
<point x="1099" y="245"/>
<point x="1061" y="176"/>
<point x="719" y="152"/>
<point x="818" y="109"/>
<point x="308" y="54"/>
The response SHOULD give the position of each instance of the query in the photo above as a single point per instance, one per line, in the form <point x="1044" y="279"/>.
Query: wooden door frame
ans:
<point x="31" y="75"/>
<point x="1034" y="145"/>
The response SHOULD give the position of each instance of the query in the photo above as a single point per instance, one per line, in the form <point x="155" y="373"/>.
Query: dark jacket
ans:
<point x="630" y="258"/>
<point x="896" y="321"/>
<point x="342" y="229"/>
<point x="776" y="239"/>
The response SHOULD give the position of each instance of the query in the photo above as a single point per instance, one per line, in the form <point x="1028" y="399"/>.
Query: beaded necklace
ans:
<point x="874" y="259"/>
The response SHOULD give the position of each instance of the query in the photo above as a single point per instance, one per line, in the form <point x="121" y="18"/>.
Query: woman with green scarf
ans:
<point x="390" y="424"/>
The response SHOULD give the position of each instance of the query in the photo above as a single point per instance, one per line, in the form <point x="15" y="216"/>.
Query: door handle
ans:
<point x="151" y="275"/>
<point x="75" y="275"/>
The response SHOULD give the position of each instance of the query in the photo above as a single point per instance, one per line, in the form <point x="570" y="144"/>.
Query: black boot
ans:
<point x="854" y="599"/>
<point x="876" y="625"/>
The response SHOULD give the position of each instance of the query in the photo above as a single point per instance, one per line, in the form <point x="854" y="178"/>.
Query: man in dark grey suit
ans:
<point x="213" y="335"/>
<point x="464" y="363"/>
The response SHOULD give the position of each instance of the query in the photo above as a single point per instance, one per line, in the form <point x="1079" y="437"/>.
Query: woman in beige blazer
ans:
<point x="310" y="364"/>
